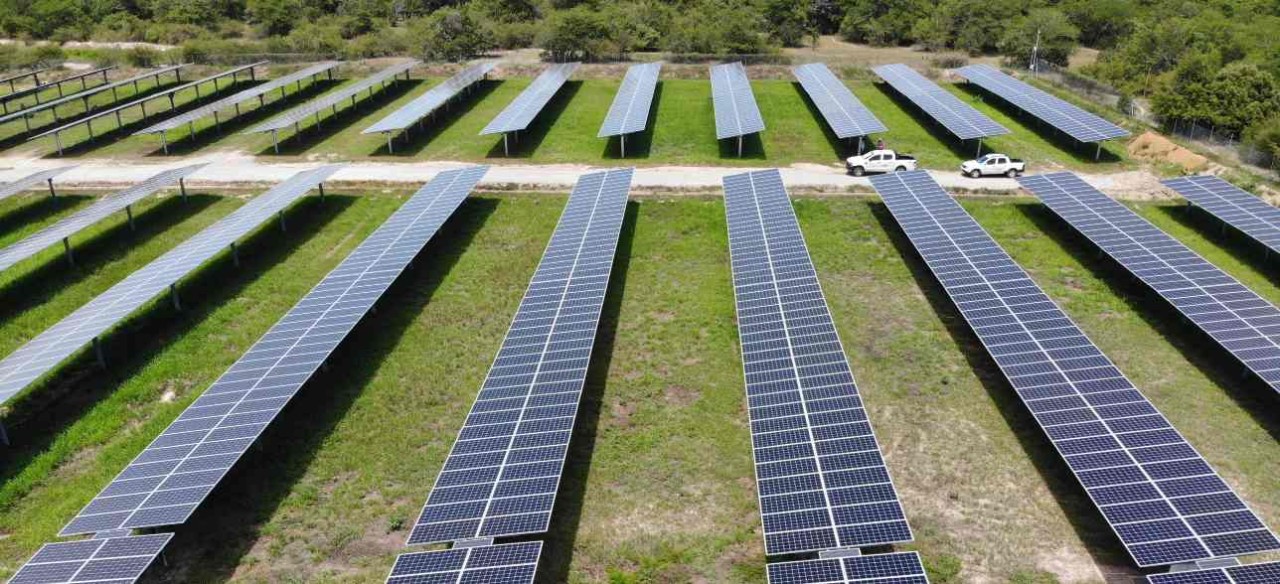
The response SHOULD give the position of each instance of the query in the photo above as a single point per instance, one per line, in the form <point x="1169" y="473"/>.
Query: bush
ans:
<point x="451" y="34"/>
<point x="1265" y="136"/>
<point x="384" y="43"/>
<point x="316" y="39"/>
<point x="513" y="35"/>
<point x="142" y="57"/>
<point x="580" y="33"/>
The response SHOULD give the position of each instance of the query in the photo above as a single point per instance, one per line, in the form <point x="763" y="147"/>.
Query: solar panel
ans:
<point x="895" y="568"/>
<point x="238" y="98"/>
<point x="114" y="560"/>
<point x="513" y="563"/>
<point x="39" y="178"/>
<point x="1243" y="323"/>
<point x="1233" y="206"/>
<point x="107" y="205"/>
<point x="332" y="99"/>
<point x="630" y="110"/>
<point x="168" y="480"/>
<point x="1075" y="122"/>
<point x="43" y="353"/>
<point x="38" y="89"/>
<point x="820" y="474"/>
<point x="735" y="105"/>
<point x="845" y="115"/>
<point x="501" y="476"/>
<point x="84" y="95"/>
<point x="425" y="104"/>
<point x="1268" y="573"/>
<point x="956" y="116"/>
<point x="1160" y="497"/>
<point x="525" y="107"/>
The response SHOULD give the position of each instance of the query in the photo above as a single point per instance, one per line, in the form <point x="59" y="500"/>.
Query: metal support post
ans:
<point x="182" y="188"/>
<point x="321" y="188"/>
<point x="52" y="193"/>
<point x="99" y="353"/>
<point x="164" y="142"/>
<point x="283" y="227"/>
<point x="128" y="211"/>
<point x="66" y="250"/>
<point x="173" y="295"/>
<point x="235" y="255"/>
<point x="623" y="144"/>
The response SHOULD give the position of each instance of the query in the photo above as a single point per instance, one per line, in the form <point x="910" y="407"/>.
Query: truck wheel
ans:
<point x="859" y="171"/>
<point x="900" y="169"/>
<point x="1011" y="173"/>
<point x="975" y="173"/>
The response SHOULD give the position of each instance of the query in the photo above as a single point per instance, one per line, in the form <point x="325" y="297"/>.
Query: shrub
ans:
<point x="513" y="35"/>
<point x="142" y="57"/>
<point x="451" y="34"/>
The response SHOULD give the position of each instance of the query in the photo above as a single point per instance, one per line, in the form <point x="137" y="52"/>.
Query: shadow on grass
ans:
<point x="190" y="143"/>
<point x="214" y="542"/>
<point x="1079" y="151"/>
<point x="313" y="132"/>
<point x="80" y="383"/>
<point x="842" y="148"/>
<point x="1103" y="546"/>
<point x="1238" y="244"/>
<point x="963" y="149"/>
<point x="23" y="136"/>
<point x="414" y="141"/>
<point x="38" y="210"/>
<point x="53" y="274"/>
<point x="524" y="144"/>
<point x="560" y="540"/>
<point x="752" y="148"/>
<point x="1197" y="347"/>
<point x="639" y="144"/>
<point x="101" y="139"/>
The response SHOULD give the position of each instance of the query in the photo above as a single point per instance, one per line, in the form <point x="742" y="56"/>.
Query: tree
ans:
<point x="578" y="33"/>
<point x="1057" y="37"/>
<point x="1242" y="95"/>
<point x="881" y="22"/>
<point x="1102" y="23"/>
<point x="274" y="16"/>
<point x="451" y="34"/>
<point x="787" y="21"/>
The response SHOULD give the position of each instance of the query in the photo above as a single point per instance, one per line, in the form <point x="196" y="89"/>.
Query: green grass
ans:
<point x="328" y="495"/>
<point x="683" y="130"/>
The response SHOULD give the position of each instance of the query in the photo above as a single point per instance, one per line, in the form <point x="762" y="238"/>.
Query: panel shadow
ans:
<point x="193" y="142"/>
<point x="639" y="144"/>
<point x="314" y="132"/>
<point x="524" y="144"/>
<point x="414" y="140"/>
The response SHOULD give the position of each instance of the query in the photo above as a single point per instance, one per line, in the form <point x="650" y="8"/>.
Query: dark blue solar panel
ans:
<point x="1268" y="573"/>
<point x="1241" y="209"/>
<point x="893" y="568"/>
<point x="114" y="560"/>
<point x="1063" y="115"/>
<point x="956" y="116"/>
<point x="513" y="563"/>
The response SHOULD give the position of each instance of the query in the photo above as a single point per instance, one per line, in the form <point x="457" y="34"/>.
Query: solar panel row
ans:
<point x="114" y="560"/>
<point x="43" y="177"/>
<point x="525" y="107"/>
<point x="1268" y="573"/>
<point x="95" y="90"/>
<point x="820" y="474"/>
<point x="48" y="349"/>
<point x="37" y="90"/>
<point x="956" y="116"/>
<point x="107" y="205"/>
<point x="630" y="110"/>
<point x="1234" y="206"/>
<point x="845" y="115"/>
<point x="167" y="481"/>
<point x="1243" y="323"/>
<point x="239" y="97"/>
<point x="1074" y="121"/>
<point x="735" y="105"/>
<point x="513" y="563"/>
<point x="892" y="568"/>
<point x="429" y="102"/>
<point x="503" y="471"/>
<point x="1162" y="499"/>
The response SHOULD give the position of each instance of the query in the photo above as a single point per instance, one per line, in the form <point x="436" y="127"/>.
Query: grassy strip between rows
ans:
<point x="659" y="486"/>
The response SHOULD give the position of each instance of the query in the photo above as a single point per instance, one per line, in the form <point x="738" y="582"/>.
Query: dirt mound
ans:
<point x="1153" y="146"/>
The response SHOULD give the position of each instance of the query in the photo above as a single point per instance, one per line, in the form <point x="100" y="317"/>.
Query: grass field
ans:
<point x="659" y="484"/>
<point x="682" y="130"/>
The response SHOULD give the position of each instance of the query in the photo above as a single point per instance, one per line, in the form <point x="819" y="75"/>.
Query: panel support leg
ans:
<point x="173" y="295"/>
<point x="979" y="148"/>
<point x="52" y="192"/>
<point x="390" y="149"/>
<point x="506" y="151"/>
<point x="739" y="146"/>
<point x="321" y="189"/>
<point x="128" y="211"/>
<point x="182" y="188"/>
<point x="275" y="140"/>
<point x="66" y="250"/>
<point x="1097" y="154"/>
<point x="235" y="255"/>
<point x="164" y="143"/>
<point x="623" y="145"/>
<point x="98" y="353"/>
<point x="283" y="227"/>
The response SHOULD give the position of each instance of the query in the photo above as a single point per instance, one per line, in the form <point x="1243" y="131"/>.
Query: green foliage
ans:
<point x="882" y="22"/>
<point x="451" y="34"/>
<point x="274" y="17"/>
<point x="787" y="21"/>
<point x="1057" y="37"/>
<point x="580" y="33"/>
<point x="1102" y="23"/>
<point x="943" y="568"/>
<point x="1265" y="136"/>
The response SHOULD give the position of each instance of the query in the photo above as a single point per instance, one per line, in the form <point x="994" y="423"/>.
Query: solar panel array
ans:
<point x="107" y="205"/>
<point x="237" y="98"/>
<point x="1268" y="573"/>
<point x="43" y="353"/>
<point x="38" y="89"/>
<point x="92" y="91"/>
<point x="1076" y="122"/>
<point x="894" y="568"/>
<point x="332" y="99"/>
<point x="1234" y="206"/>
<point x="845" y="115"/>
<point x="146" y="99"/>
<point x="956" y="116"/>
<point x="1162" y="499"/>
<point x="630" y="110"/>
<point x="513" y="563"/>
<point x="821" y="477"/>
<point x="39" y="178"/>
<point x="1243" y="323"/>
<point x="525" y="107"/>
<point x="428" y="102"/>
<point x="501" y="476"/>
<point x="170" y="478"/>
<point x="735" y="105"/>
<point x="114" y="560"/>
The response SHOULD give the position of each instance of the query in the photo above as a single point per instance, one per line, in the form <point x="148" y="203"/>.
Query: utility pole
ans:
<point x="1035" y="55"/>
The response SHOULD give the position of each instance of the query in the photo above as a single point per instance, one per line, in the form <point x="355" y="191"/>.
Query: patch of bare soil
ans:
<point x="1156" y="148"/>
<point x="680" y="396"/>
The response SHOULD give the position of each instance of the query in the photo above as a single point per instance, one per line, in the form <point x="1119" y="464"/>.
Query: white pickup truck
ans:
<point x="992" y="165"/>
<point x="879" y="161"/>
